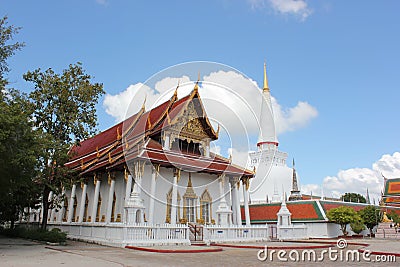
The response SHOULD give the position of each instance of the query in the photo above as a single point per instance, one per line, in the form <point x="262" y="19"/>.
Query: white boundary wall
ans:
<point x="121" y="235"/>
<point x="235" y="233"/>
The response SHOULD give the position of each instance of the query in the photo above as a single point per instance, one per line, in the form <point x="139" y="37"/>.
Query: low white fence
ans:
<point x="235" y="233"/>
<point x="292" y="232"/>
<point x="121" y="235"/>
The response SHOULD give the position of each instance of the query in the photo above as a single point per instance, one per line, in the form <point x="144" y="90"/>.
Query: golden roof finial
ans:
<point x="144" y="103"/>
<point x="148" y="121"/>
<point x="217" y="133"/>
<point x="168" y="118"/>
<point x="176" y="90"/>
<point x="196" y="86"/>
<point x="265" y="78"/>
<point x="118" y="134"/>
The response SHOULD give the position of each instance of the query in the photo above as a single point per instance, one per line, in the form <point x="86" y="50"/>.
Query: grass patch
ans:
<point x="55" y="235"/>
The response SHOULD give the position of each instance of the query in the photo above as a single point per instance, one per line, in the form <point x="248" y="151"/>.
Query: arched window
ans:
<point x="85" y="214"/>
<point x="113" y="207"/>
<point x="98" y="209"/>
<point x="65" y="209"/>
<point x="205" y="206"/>
<point x="189" y="202"/>
<point x="169" y="205"/>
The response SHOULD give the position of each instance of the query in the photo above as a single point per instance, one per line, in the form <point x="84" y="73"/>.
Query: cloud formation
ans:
<point x="357" y="180"/>
<point x="229" y="99"/>
<point x="298" y="8"/>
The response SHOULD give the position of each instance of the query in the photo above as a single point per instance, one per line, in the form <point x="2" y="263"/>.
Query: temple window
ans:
<point x="98" y="209"/>
<point x="205" y="206"/>
<point x="113" y="208"/>
<point x="85" y="214"/>
<point x="65" y="210"/>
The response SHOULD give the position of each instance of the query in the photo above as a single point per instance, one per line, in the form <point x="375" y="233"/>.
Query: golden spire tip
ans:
<point x="265" y="87"/>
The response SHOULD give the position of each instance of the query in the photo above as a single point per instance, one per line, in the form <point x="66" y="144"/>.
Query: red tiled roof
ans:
<point x="301" y="211"/>
<point x="126" y="141"/>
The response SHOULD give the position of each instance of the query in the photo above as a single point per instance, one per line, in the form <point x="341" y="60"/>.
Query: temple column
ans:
<point x="245" y="182"/>
<point x="83" y="202"/>
<point x="224" y="213"/>
<point x="111" y="182"/>
<point x="71" y="203"/>
<point x="49" y="212"/>
<point x="61" y="211"/>
<point x="177" y="174"/>
<point x="95" y="199"/>
<point x="154" y="173"/>
<point x="237" y="204"/>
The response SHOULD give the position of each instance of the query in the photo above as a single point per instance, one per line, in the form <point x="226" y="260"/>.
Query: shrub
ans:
<point x="357" y="227"/>
<point x="55" y="235"/>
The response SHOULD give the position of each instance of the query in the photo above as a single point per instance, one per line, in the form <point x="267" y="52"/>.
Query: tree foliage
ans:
<point x="20" y="147"/>
<point x="370" y="216"/>
<point x="19" y="143"/>
<point x="353" y="197"/>
<point x="7" y="33"/>
<point x="342" y="215"/>
<point x="64" y="109"/>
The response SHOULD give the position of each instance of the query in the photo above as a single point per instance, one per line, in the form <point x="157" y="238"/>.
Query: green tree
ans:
<point x="64" y="109"/>
<point x="19" y="143"/>
<point x="20" y="147"/>
<point x="353" y="197"/>
<point x="394" y="216"/>
<point x="370" y="216"/>
<point x="7" y="49"/>
<point x="357" y="226"/>
<point x="342" y="215"/>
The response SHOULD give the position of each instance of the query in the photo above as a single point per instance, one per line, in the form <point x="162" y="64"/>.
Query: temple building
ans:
<point x="155" y="168"/>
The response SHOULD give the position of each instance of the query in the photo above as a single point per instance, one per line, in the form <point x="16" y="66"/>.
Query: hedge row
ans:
<point x="55" y="235"/>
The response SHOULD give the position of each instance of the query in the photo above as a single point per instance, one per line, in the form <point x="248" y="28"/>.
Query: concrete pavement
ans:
<point x="19" y="252"/>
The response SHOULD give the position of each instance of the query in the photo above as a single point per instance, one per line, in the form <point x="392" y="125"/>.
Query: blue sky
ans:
<point x="341" y="57"/>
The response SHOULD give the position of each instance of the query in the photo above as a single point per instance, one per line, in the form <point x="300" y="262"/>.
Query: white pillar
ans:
<point x="237" y="205"/>
<point x="83" y="202"/>
<point x="61" y="211"/>
<point x="110" y="199"/>
<point x="174" y="197"/>
<point x="246" y="204"/>
<point x="128" y="187"/>
<point x="50" y="210"/>
<point x="154" y="174"/>
<point x="71" y="203"/>
<point x="233" y="202"/>
<point x="95" y="200"/>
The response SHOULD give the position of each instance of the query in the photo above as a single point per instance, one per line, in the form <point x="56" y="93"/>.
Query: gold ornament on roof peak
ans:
<point x="196" y="86"/>
<point x="265" y="87"/>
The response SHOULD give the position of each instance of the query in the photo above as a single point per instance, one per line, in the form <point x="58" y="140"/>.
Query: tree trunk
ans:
<point x="45" y="206"/>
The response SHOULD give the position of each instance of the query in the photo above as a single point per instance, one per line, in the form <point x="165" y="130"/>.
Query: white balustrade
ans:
<point x="235" y="233"/>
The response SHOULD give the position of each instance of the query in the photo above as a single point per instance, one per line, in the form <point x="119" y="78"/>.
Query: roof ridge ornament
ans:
<point x="176" y="90"/>
<point x="196" y="86"/>
<point x="144" y="103"/>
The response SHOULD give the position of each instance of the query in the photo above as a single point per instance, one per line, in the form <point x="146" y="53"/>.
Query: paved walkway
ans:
<point x="19" y="252"/>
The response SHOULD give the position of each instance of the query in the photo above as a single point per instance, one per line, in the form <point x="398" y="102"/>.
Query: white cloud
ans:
<point x="359" y="179"/>
<point x="229" y="99"/>
<point x="293" y="118"/>
<point x="292" y="7"/>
